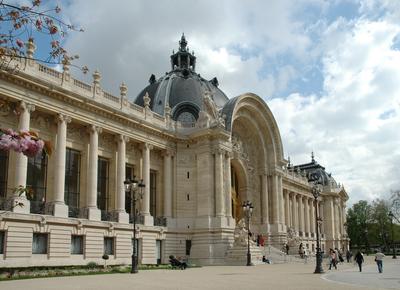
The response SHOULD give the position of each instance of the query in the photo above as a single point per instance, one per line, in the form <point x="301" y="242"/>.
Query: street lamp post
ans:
<point x="134" y="187"/>
<point x="391" y="215"/>
<point x="248" y="210"/>
<point x="316" y="192"/>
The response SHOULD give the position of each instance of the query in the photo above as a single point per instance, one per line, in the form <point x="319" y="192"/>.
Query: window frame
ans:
<point x="70" y="173"/>
<point x="112" y="239"/>
<point x="82" y="237"/>
<point x="106" y="179"/>
<point x="38" y="235"/>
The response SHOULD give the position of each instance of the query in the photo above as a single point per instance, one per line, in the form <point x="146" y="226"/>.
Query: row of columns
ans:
<point x="299" y="212"/>
<point x="56" y="204"/>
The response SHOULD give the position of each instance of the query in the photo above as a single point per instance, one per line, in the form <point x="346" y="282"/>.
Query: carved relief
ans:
<point x="76" y="132"/>
<point x="107" y="141"/>
<point x="41" y="121"/>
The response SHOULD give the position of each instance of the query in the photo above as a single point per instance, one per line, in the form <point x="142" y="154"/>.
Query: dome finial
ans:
<point x="312" y="157"/>
<point x="182" y="43"/>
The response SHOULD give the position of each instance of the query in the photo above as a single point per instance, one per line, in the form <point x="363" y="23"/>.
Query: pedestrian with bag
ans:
<point x="379" y="260"/>
<point x="359" y="258"/>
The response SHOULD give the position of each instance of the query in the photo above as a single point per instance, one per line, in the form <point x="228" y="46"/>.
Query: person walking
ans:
<point x="379" y="260"/>
<point x="287" y="249"/>
<point x="333" y="258"/>
<point x="359" y="260"/>
<point x="348" y="256"/>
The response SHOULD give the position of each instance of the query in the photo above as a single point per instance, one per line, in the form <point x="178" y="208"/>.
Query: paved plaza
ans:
<point x="276" y="276"/>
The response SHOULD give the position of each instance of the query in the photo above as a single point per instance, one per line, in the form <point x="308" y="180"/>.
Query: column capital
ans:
<point x="22" y="106"/>
<point x="218" y="150"/>
<point x="61" y="118"/>
<point x="121" y="138"/>
<point x="228" y="154"/>
<point x="94" y="129"/>
<point x="168" y="152"/>
<point x="146" y="146"/>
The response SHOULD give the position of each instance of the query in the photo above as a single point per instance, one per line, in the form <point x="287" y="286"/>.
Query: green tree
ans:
<point x="358" y="220"/>
<point x="381" y="221"/>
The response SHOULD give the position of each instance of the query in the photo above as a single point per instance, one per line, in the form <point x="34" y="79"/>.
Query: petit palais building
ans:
<point x="200" y="154"/>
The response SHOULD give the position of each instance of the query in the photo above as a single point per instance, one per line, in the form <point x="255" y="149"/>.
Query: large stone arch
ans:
<point x="261" y="115"/>
<point x="259" y="147"/>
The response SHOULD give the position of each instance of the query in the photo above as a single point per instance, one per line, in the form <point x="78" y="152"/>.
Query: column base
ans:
<point x="19" y="204"/>
<point x="91" y="213"/>
<point x="121" y="217"/>
<point x="57" y="209"/>
<point x="148" y="220"/>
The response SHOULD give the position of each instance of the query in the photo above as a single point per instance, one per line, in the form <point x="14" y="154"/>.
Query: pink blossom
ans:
<point x="19" y="42"/>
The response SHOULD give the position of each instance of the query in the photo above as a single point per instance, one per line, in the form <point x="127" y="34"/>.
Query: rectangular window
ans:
<point x="159" y="251"/>
<point x="39" y="243"/>
<point x="153" y="192"/>
<point x="188" y="247"/>
<point x="129" y="175"/>
<point x="102" y="184"/>
<point x="3" y="175"/>
<point x="72" y="178"/>
<point x="109" y="246"/>
<point x="36" y="181"/>
<point x="76" y="245"/>
<point x="2" y="243"/>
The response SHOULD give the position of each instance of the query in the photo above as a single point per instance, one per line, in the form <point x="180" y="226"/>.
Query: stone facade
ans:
<point x="196" y="176"/>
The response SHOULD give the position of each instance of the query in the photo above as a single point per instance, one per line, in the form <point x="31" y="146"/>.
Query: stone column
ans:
<point x="264" y="192"/>
<point x="24" y="111"/>
<point x="281" y="203"/>
<point x="148" y="219"/>
<point x="287" y="208"/>
<point x="120" y="213"/>
<point x="219" y="187"/>
<point x="167" y="185"/>
<point x="301" y="214"/>
<point x="307" y="216"/>
<point x="57" y="205"/>
<point x="295" y="223"/>
<point x="338" y="221"/>
<point x="228" y="185"/>
<point x="275" y="200"/>
<point x="91" y="210"/>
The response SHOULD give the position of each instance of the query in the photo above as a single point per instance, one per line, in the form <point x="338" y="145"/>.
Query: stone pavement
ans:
<point x="297" y="276"/>
<point x="369" y="277"/>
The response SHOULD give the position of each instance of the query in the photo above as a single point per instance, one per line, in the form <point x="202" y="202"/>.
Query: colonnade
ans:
<point x="55" y="203"/>
<point x="300" y="216"/>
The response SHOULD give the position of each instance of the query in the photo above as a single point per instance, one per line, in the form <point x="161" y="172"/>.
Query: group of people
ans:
<point x="335" y="257"/>
<point x="359" y="258"/>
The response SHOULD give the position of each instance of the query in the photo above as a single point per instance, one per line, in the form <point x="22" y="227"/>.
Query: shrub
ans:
<point x="91" y="265"/>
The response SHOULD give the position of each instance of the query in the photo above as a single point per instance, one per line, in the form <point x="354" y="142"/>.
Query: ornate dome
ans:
<point x="182" y="89"/>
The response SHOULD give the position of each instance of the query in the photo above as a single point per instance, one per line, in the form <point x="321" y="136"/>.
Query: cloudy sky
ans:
<point x="328" y="69"/>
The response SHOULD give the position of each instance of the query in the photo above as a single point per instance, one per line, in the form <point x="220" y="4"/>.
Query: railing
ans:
<point x="73" y="212"/>
<point x="139" y="219"/>
<point x="49" y="71"/>
<point x="110" y="97"/>
<point x="160" y="221"/>
<point x="136" y="107"/>
<point x="38" y="206"/>
<point x="82" y="85"/>
<point x="3" y="203"/>
<point x="107" y="216"/>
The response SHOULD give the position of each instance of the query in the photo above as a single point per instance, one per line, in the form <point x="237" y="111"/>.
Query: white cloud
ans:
<point x="344" y="126"/>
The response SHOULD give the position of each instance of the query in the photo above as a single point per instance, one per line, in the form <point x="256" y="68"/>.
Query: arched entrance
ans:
<point x="238" y="183"/>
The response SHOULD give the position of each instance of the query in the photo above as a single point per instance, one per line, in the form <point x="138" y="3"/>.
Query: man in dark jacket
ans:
<point x="359" y="259"/>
